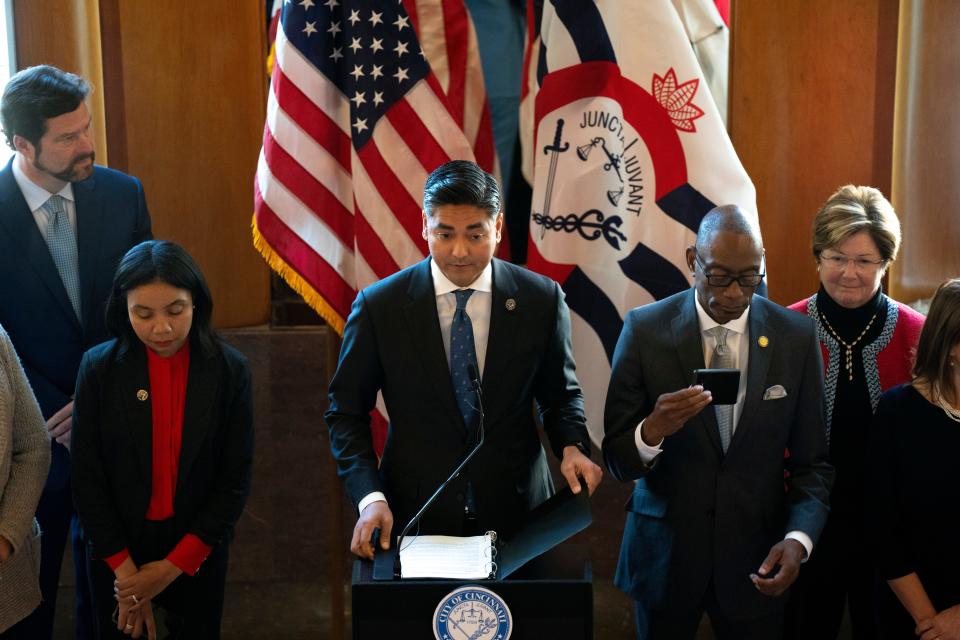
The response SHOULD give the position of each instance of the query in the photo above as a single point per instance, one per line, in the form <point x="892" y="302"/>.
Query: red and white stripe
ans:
<point x="357" y="214"/>
<point x="339" y="218"/>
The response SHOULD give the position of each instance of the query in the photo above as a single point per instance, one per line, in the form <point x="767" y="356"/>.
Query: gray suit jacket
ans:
<point x="695" y="513"/>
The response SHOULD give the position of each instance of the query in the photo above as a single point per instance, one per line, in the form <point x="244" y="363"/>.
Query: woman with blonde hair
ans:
<point x="913" y="484"/>
<point x="867" y="342"/>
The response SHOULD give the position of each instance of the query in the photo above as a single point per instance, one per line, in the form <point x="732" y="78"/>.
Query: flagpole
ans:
<point x="335" y="531"/>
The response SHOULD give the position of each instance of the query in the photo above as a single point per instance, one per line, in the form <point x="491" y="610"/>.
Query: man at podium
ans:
<point x="460" y="344"/>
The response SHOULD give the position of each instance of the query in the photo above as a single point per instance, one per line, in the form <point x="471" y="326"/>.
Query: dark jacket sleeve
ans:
<point x="627" y="404"/>
<point x="231" y="486"/>
<point x="91" y="486"/>
<point x="557" y="390"/>
<point x="142" y="230"/>
<point x="353" y="395"/>
<point x="811" y="476"/>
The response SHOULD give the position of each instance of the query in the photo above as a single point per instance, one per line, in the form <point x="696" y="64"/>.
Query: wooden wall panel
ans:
<point x="193" y="105"/>
<point x="74" y="45"/>
<point x="926" y="191"/>
<point x="811" y="104"/>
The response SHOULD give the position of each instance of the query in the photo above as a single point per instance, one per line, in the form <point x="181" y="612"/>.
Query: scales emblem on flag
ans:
<point x="604" y="147"/>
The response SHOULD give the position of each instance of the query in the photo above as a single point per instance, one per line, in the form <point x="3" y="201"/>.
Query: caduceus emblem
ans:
<point x="590" y="225"/>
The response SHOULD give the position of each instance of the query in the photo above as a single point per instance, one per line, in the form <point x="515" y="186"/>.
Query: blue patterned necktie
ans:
<point x="463" y="352"/>
<point x="722" y="358"/>
<point x="63" y="249"/>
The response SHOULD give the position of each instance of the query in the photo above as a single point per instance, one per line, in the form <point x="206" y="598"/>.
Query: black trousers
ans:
<point x="654" y="625"/>
<point x="838" y="572"/>
<point x="196" y="600"/>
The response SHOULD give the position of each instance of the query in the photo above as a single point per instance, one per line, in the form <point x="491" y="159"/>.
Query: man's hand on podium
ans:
<point x="576" y="465"/>
<point x="376" y="515"/>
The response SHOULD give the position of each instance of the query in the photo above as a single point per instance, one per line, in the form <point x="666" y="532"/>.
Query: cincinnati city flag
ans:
<point x="628" y="153"/>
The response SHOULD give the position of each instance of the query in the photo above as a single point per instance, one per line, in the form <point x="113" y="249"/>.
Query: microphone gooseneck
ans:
<point x="474" y="377"/>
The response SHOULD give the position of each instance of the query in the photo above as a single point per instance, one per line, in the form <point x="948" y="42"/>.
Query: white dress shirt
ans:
<point x="478" y="308"/>
<point x="738" y="339"/>
<point x="36" y="196"/>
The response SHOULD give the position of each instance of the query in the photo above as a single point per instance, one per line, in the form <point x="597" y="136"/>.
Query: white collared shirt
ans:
<point x="738" y="339"/>
<point x="478" y="308"/>
<point x="36" y="196"/>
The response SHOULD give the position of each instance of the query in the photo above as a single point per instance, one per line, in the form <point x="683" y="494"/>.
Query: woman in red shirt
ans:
<point x="162" y="451"/>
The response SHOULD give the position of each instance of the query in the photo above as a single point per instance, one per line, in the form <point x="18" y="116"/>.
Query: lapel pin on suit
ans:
<point x="763" y="341"/>
<point x="510" y="304"/>
<point x="142" y="395"/>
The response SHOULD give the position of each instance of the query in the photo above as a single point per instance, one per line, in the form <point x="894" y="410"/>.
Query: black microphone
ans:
<point x="474" y="377"/>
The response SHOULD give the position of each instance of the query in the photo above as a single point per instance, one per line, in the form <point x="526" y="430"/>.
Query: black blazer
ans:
<point x="696" y="513"/>
<point x="112" y="446"/>
<point x="392" y="342"/>
<point x="111" y="218"/>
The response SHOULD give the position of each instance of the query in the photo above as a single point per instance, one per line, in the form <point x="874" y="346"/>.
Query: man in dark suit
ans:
<point x="710" y="526"/>
<point x="64" y="224"/>
<point x="417" y="337"/>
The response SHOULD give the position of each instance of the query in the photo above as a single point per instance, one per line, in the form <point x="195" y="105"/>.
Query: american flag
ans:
<point x="356" y="120"/>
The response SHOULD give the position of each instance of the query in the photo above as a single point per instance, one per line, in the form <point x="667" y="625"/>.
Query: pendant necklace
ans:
<point x="848" y="359"/>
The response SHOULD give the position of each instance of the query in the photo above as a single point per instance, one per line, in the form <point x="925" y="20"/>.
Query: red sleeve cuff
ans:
<point x="116" y="559"/>
<point x="189" y="554"/>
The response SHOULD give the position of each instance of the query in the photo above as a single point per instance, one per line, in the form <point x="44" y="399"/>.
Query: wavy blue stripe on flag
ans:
<point x="589" y="302"/>
<point x="585" y="26"/>
<point x="686" y="205"/>
<point x="653" y="272"/>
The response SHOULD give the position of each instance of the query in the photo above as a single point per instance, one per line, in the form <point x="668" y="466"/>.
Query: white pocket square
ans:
<point x="775" y="393"/>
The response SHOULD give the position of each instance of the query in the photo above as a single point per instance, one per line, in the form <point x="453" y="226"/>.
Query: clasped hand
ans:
<point x="144" y="585"/>
<point x="134" y="623"/>
<point x="943" y="626"/>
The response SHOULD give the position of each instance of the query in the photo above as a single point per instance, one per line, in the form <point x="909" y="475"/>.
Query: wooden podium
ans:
<point x="549" y="597"/>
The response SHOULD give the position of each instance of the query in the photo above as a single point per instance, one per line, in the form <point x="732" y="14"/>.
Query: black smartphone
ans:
<point x="723" y="384"/>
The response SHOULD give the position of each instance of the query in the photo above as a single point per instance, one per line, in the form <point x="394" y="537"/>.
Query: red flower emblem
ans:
<point x="678" y="100"/>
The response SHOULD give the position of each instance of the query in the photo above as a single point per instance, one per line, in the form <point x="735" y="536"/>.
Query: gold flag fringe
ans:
<point x="296" y="281"/>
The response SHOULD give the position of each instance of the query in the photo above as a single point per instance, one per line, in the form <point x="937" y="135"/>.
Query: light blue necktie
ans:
<point x="722" y="358"/>
<point x="463" y="352"/>
<point x="63" y="249"/>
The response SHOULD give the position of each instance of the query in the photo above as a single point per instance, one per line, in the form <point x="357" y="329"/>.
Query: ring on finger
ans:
<point x="135" y="599"/>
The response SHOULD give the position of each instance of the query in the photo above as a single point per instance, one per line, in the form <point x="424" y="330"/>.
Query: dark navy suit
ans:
<point x="111" y="217"/>
<point x="700" y="519"/>
<point x="392" y="342"/>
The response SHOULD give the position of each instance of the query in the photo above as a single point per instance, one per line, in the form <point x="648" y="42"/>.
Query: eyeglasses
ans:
<point x="746" y="281"/>
<point x="860" y="265"/>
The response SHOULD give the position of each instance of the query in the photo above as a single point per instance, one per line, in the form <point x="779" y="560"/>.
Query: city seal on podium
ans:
<point x="472" y="613"/>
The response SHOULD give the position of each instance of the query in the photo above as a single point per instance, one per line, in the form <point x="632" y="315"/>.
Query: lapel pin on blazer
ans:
<point x="763" y="341"/>
<point x="142" y="395"/>
<point x="510" y="304"/>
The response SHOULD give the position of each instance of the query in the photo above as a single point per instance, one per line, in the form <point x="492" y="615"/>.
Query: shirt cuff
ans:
<point x="189" y="554"/>
<point x="117" y="559"/>
<point x="373" y="496"/>
<point x="803" y="539"/>
<point x="647" y="453"/>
